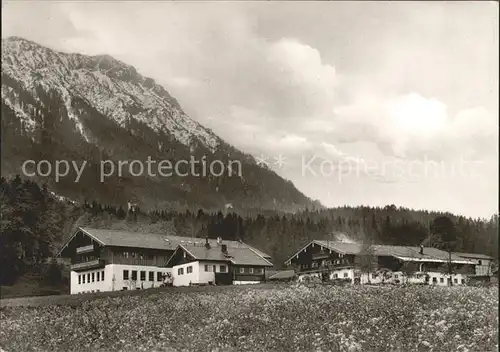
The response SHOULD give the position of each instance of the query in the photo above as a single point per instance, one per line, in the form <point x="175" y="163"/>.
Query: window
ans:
<point x="434" y="280"/>
<point x="214" y="268"/>
<point x="223" y="269"/>
<point x="180" y="271"/>
<point x="346" y="275"/>
<point x="242" y="270"/>
<point x="251" y="270"/>
<point x="88" y="278"/>
<point x="102" y="275"/>
<point x="98" y="276"/>
<point x="134" y="275"/>
<point x="143" y="276"/>
<point x="259" y="270"/>
<point x="125" y="254"/>
<point x="207" y="268"/>
<point x="93" y="277"/>
<point x="151" y="276"/>
<point x="159" y="276"/>
<point x="189" y="269"/>
<point x="141" y="256"/>
<point x="132" y="254"/>
<point x="455" y="281"/>
<point x="441" y="280"/>
<point x="79" y="279"/>
<point x="479" y="262"/>
<point x="83" y="276"/>
<point x="97" y="290"/>
<point x="463" y="281"/>
<point x="336" y="276"/>
<point x="125" y="274"/>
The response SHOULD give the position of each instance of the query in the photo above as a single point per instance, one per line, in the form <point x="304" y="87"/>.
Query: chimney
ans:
<point x="224" y="248"/>
<point x="421" y="249"/>
<point x="207" y="244"/>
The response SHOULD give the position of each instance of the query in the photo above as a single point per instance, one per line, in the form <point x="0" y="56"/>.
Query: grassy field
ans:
<point x="264" y="318"/>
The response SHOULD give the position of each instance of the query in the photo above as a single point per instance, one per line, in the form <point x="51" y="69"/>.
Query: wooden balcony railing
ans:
<point x="92" y="264"/>
<point x="324" y="269"/>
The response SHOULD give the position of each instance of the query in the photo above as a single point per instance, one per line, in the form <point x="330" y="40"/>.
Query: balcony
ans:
<point x="321" y="255"/>
<point x="327" y="268"/>
<point x="85" y="249"/>
<point x="93" y="264"/>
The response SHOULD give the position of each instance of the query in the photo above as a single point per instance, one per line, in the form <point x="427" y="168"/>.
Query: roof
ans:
<point x="118" y="238"/>
<point x="405" y="253"/>
<point x="473" y="255"/>
<point x="283" y="275"/>
<point x="237" y="255"/>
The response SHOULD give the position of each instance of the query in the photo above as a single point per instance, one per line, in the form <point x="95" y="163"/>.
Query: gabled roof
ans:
<point x="405" y="253"/>
<point x="118" y="238"/>
<point x="473" y="255"/>
<point x="236" y="255"/>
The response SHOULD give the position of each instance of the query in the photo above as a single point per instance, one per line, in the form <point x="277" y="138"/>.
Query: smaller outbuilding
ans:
<point x="198" y="264"/>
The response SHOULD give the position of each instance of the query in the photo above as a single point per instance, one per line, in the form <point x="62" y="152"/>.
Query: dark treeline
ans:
<point x="32" y="224"/>
<point x="35" y="223"/>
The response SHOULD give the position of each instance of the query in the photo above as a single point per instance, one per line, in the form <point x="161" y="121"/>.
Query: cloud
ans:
<point x="412" y="125"/>
<point x="371" y="82"/>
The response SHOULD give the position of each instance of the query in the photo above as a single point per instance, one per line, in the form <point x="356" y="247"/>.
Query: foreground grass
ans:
<point x="293" y="318"/>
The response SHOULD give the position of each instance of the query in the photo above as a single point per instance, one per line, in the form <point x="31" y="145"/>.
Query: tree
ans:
<point x="131" y="284"/>
<point x="409" y="269"/>
<point x="53" y="275"/>
<point x="367" y="259"/>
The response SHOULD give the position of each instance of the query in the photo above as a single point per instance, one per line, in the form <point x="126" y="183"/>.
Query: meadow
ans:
<point x="280" y="318"/>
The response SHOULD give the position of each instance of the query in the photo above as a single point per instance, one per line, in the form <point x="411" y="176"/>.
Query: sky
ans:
<point x="357" y="103"/>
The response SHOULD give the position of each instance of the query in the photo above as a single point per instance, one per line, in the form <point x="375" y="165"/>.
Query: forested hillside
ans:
<point x="35" y="223"/>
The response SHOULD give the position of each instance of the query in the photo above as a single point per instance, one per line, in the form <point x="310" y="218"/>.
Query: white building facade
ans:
<point x="118" y="277"/>
<point x="483" y="263"/>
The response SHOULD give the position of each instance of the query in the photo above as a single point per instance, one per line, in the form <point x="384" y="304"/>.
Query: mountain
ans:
<point x="58" y="106"/>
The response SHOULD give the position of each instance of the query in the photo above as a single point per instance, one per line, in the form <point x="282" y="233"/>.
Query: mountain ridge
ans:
<point x="69" y="106"/>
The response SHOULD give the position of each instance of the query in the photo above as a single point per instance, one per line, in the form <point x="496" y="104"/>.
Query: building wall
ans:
<point x="92" y="286"/>
<point x="209" y="276"/>
<point x="185" y="278"/>
<point x="439" y="279"/>
<point x="198" y="275"/>
<point x="114" y="278"/>
<point x="482" y="266"/>
<point x="398" y="277"/>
